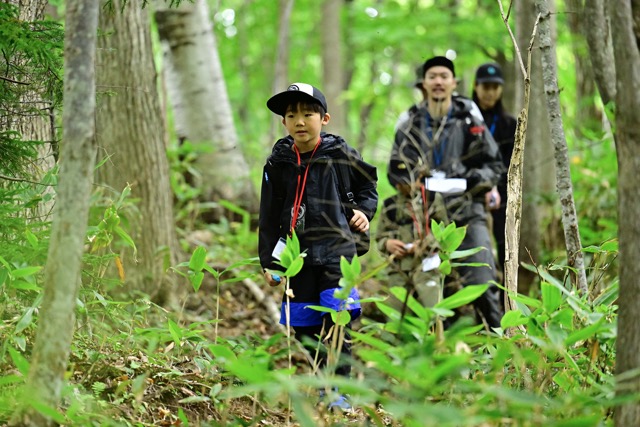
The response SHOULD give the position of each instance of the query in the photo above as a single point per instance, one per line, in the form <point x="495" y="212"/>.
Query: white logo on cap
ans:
<point x="302" y="87"/>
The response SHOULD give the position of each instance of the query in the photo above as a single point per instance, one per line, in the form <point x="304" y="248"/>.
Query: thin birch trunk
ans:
<point x="198" y="95"/>
<point x="62" y="271"/>
<point x="515" y="174"/>
<point x="575" y="257"/>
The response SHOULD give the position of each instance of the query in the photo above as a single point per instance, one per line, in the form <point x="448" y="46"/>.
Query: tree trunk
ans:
<point x="198" y="95"/>
<point x="575" y="257"/>
<point x="68" y="234"/>
<point x="588" y="116"/>
<point x="131" y="133"/>
<point x="538" y="154"/>
<point x="332" y="66"/>
<point x="516" y="170"/>
<point x="601" y="48"/>
<point x="34" y="120"/>
<point x="281" y="72"/>
<point x="627" y="136"/>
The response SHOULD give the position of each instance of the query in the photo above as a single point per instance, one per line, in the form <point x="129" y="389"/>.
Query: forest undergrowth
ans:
<point x="217" y="356"/>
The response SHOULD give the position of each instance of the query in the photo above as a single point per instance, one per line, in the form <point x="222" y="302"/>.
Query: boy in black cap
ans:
<point x="302" y="192"/>
<point x="444" y="139"/>
<point x="487" y="94"/>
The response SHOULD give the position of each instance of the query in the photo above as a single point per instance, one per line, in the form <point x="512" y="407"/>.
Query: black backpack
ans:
<point x="361" y="239"/>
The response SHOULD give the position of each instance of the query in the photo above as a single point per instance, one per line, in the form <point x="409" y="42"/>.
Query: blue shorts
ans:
<point x="316" y="285"/>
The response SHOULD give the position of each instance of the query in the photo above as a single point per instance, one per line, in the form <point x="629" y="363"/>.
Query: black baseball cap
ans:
<point x="489" y="73"/>
<point x="438" y="61"/>
<point x="296" y="92"/>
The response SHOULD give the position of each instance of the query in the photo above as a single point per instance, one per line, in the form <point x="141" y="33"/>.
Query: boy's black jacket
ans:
<point x="326" y="236"/>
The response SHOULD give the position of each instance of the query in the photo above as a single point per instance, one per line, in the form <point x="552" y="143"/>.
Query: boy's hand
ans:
<point x="359" y="221"/>
<point x="492" y="199"/>
<point x="273" y="280"/>
<point x="398" y="248"/>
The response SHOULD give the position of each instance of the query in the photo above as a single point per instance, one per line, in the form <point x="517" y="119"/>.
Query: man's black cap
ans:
<point x="489" y="73"/>
<point x="296" y="92"/>
<point x="438" y="61"/>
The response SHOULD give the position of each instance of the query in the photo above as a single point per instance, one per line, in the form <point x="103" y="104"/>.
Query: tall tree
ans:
<point x="202" y="112"/>
<point x="68" y="235"/>
<point x="575" y="256"/>
<point x="33" y="115"/>
<point x="333" y="73"/>
<point x="538" y="154"/>
<point x="281" y="72"/>
<point x="626" y="95"/>
<point x="130" y="130"/>
<point x="587" y="114"/>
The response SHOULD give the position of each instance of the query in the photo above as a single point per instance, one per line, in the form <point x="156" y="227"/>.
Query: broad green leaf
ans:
<point x="197" y="261"/>
<point x="295" y="267"/>
<point x="513" y="318"/>
<point x="21" y="363"/>
<point x="584" y="333"/>
<point x="196" y="280"/>
<point x="175" y="331"/>
<point x="25" y="272"/>
<point x="463" y="296"/>
<point x="222" y="352"/>
<point x="551" y="297"/>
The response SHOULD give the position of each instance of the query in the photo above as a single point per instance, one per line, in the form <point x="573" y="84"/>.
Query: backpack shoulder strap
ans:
<point x="344" y="178"/>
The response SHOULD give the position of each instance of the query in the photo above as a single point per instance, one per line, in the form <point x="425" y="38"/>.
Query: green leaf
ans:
<point x="222" y="352"/>
<point x="513" y="318"/>
<point x="445" y="267"/>
<point x="463" y="296"/>
<point x="25" y="272"/>
<point x="295" y="267"/>
<point x="175" y="331"/>
<point x="21" y="363"/>
<point x="198" y="258"/>
<point x="196" y="280"/>
<point x="584" y="333"/>
<point x="551" y="297"/>
<point x="25" y="320"/>
<point x="341" y="318"/>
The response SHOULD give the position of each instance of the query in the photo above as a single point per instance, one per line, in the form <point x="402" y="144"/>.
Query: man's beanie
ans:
<point x="438" y="60"/>
<point x="489" y="73"/>
<point x="296" y="92"/>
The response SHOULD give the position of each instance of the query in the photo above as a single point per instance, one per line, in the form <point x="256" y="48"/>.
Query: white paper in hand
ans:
<point x="431" y="263"/>
<point x="451" y="186"/>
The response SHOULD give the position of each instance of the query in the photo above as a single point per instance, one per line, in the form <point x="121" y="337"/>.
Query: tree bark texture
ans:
<point x="588" y="115"/>
<point x="333" y="66"/>
<point x="598" y="37"/>
<point x="627" y="136"/>
<point x="34" y="119"/>
<point x="516" y="172"/>
<point x="198" y="95"/>
<point x="130" y="130"/>
<point x="538" y="174"/>
<point x="575" y="257"/>
<point x="281" y="71"/>
<point x="68" y="234"/>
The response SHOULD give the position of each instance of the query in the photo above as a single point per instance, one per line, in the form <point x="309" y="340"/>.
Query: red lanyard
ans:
<point x="297" y="201"/>
<point x="425" y="206"/>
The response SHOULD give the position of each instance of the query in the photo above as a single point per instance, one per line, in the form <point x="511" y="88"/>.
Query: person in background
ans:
<point x="487" y="94"/>
<point x="404" y="235"/>
<point x="443" y="139"/>
<point x="301" y="193"/>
